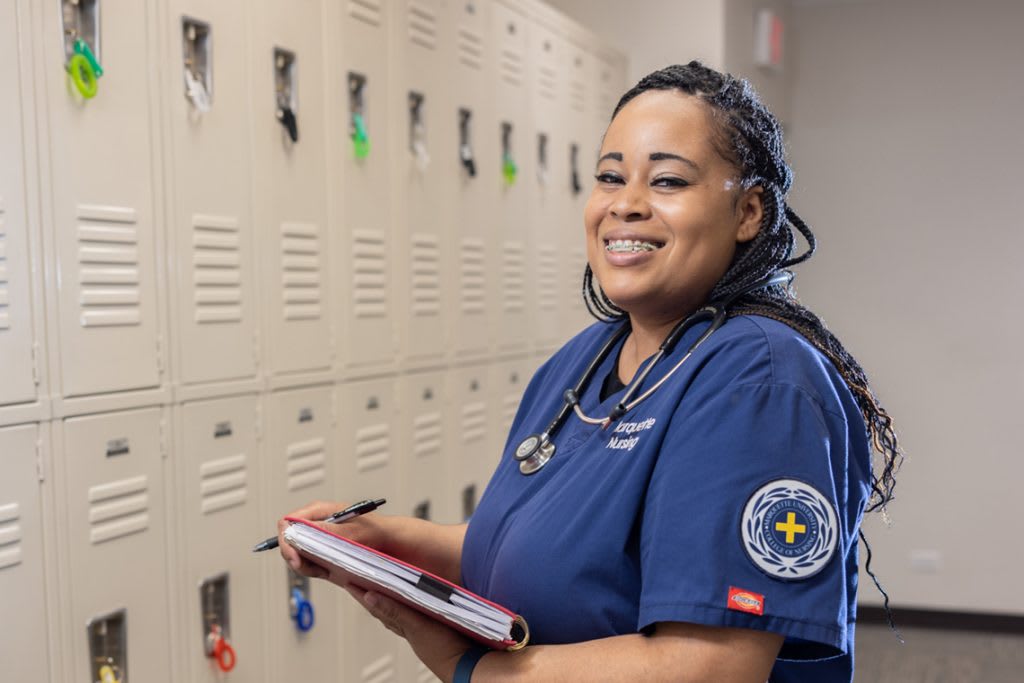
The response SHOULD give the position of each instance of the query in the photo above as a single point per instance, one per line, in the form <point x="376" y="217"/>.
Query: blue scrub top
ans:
<point x="730" y="497"/>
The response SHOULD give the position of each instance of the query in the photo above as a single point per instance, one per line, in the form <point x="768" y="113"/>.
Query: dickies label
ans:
<point x="745" y="601"/>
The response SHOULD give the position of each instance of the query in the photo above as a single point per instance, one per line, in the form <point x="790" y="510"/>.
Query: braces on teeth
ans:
<point x="629" y="246"/>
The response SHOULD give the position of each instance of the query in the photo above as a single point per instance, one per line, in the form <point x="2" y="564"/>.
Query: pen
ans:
<point x="352" y="511"/>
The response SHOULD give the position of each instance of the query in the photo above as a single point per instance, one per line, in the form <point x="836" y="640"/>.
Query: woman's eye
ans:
<point x="607" y="178"/>
<point x="669" y="181"/>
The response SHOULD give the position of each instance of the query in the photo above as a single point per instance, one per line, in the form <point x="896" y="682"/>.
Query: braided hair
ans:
<point x="747" y="135"/>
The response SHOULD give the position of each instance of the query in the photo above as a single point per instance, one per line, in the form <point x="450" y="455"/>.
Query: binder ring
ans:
<point x="519" y="621"/>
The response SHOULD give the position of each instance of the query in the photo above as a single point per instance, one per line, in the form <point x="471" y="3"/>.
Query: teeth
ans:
<point x="629" y="246"/>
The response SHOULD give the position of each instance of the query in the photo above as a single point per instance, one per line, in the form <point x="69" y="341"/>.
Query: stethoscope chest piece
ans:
<point x="534" y="452"/>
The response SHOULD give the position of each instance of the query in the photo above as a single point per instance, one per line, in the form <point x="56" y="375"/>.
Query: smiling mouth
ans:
<point x="631" y="246"/>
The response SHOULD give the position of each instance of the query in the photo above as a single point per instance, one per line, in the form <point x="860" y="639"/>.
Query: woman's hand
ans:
<point x="436" y="645"/>
<point x="365" y="529"/>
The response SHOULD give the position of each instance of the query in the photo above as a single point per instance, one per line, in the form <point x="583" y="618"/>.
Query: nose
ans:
<point x="630" y="204"/>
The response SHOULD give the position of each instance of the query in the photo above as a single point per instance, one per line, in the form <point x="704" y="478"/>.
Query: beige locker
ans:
<point x="300" y="468"/>
<point x="113" y="542"/>
<point x="424" y="446"/>
<point x="24" y="642"/>
<point x="508" y="33"/>
<point x="473" y="285"/>
<point x="470" y="423"/>
<point x="508" y="382"/>
<point x="219" y="516"/>
<point x="210" y="222"/>
<point x="17" y="358"/>
<point x="367" y="463"/>
<point x="102" y="156"/>
<point x="424" y="133"/>
<point x="290" y="182"/>
<point x="361" y="71"/>
<point x="550" y="231"/>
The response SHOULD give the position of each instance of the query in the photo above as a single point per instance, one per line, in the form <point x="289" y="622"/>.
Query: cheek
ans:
<point x="593" y="212"/>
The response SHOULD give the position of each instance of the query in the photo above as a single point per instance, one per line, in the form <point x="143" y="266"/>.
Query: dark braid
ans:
<point x="750" y="137"/>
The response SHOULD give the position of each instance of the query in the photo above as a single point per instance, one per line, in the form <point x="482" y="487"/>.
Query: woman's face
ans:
<point x="667" y="210"/>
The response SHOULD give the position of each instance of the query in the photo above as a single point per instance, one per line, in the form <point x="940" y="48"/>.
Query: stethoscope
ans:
<point x="536" y="450"/>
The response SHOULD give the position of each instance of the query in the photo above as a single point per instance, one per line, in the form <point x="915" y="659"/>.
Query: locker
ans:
<point x="424" y="445"/>
<point x="367" y="466"/>
<point x="102" y="199"/>
<point x="290" y="183"/>
<point x="470" y="424"/>
<point x="114" y="521"/>
<point x="24" y="642"/>
<point x="219" y="513"/>
<point x="366" y="223"/>
<point x="424" y="131"/>
<point x="17" y="361"/>
<point x="300" y="444"/>
<point x="508" y="32"/>
<point x="552" y="234"/>
<point x="209" y="181"/>
<point x="473" y="286"/>
<point x="508" y="382"/>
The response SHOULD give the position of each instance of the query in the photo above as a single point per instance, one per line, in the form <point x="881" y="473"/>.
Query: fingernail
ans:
<point x="371" y="599"/>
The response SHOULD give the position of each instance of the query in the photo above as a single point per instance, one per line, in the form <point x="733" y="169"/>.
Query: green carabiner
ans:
<point x="360" y="140"/>
<point x="82" y="75"/>
<point x="82" y="48"/>
<point x="509" y="169"/>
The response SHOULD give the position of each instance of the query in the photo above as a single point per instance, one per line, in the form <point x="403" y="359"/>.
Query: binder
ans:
<point x="476" y="617"/>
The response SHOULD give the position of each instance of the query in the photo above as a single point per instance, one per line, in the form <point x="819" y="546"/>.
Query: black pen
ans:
<point x="352" y="511"/>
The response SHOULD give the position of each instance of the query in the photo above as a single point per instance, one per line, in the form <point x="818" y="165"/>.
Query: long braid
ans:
<point x="750" y="137"/>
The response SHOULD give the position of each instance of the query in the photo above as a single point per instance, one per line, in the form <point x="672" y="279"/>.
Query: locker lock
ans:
<point x="508" y="164"/>
<point x="197" y="64"/>
<point x="284" y="92"/>
<point x="301" y="611"/>
<point x="214" y="606"/>
<point x="219" y="649"/>
<point x="465" y="144"/>
<point x="574" y="165"/>
<point x="83" y="69"/>
<point x="356" y="102"/>
<point x="80" y="21"/>
<point x="418" y="131"/>
<point x="542" y="158"/>
<point x="108" y="654"/>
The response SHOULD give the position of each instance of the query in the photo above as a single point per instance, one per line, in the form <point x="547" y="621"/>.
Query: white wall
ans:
<point x="906" y="140"/>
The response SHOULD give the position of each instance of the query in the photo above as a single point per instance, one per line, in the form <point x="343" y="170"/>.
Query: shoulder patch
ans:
<point x="789" y="529"/>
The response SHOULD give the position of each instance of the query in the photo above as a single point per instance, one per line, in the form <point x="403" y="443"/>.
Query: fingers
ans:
<point x="315" y="511"/>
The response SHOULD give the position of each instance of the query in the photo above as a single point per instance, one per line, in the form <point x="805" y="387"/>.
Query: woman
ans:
<point x="702" y="525"/>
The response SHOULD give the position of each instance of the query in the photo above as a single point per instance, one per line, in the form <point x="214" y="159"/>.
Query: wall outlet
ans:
<point x="926" y="561"/>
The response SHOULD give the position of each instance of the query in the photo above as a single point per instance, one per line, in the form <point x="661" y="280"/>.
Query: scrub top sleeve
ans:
<point x="743" y="524"/>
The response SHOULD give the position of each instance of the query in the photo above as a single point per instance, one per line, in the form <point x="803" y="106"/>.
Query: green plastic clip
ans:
<point x="82" y="48"/>
<point x="82" y="75"/>
<point x="509" y="169"/>
<point x="360" y="140"/>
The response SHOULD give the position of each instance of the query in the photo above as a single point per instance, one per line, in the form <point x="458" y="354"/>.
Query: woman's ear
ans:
<point x="750" y="211"/>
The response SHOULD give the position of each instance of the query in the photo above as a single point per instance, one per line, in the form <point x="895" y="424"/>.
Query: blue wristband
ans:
<point x="464" y="669"/>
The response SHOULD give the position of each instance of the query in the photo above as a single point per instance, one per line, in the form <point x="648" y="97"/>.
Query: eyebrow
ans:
<point x="655" y="156"/>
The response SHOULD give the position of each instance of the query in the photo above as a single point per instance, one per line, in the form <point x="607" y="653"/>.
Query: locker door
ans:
<point x="23" y="638"/>
<point x="425" y="132"/>
<point x="210" y="219"/>
<point x="291" y="182"/>
<point x="421" y="465"/>
<point x="552" y="186"/>
<point x="300" y="441"/>
<point x="508" y="380"/>
<point x="367" y="467"/>
<point x="17" y="364"/>
<point x="470" y="425"/>
<point x="104" y="221"/>
<point x="220" y="471"/>
<point x="113" y="472"/>
<point x="508" y="32"/>
<point x="586" y="141"/>
<point x="473" y="292"/>
<point x="368" y="249"/>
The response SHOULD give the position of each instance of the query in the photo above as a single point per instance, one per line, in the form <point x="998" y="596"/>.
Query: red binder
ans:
<point x="478" y="618"/>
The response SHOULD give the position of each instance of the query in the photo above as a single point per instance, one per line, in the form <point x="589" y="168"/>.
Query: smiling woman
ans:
<point x="706" y="528"/>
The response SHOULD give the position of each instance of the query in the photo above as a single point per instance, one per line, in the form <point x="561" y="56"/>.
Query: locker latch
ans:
<point x="465" y="143"/>
<point x="284" y="91"/>
<point x="108" y="654"/>
<point x="197" y="66"/>
<point x="422" y="510"/>
<point x="574" y="166"/>
<point x="299" y="605"/>
<point x="542" y="158"/>
<point x="357" y="111"/>
<point x="468" y="501"/>
<point x="508" y="164"/>
<point x="418" y="131"/>
<point x="80" y="22"/>
<point x="214" y="609"/>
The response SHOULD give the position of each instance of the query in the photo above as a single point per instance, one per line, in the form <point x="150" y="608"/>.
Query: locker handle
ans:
<point x="221" y="650"/>
<point x="574" y="154"/>
<point x="108" y="674"/>
<point x="302" y="611"/>
<point x="508" y="164"/>
<point x="360" y="140"/>
<point x="465" y="148"/>
<point x="418" y="131"/>
<point x="84" y="70"/>
<point x="542" y="158"/>
<point x="286" y="117"/>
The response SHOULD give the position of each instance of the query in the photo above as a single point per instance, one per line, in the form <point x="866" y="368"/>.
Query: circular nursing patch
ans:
<point x="789" y="529"/>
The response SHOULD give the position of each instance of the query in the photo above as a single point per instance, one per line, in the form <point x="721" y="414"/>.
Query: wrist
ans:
<point x="466" y="663"/>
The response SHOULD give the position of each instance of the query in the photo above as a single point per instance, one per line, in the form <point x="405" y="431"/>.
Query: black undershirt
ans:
<point x="612" y="383"/>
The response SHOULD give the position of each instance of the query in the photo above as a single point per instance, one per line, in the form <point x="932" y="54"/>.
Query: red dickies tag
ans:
<point x="745" y="601"/>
